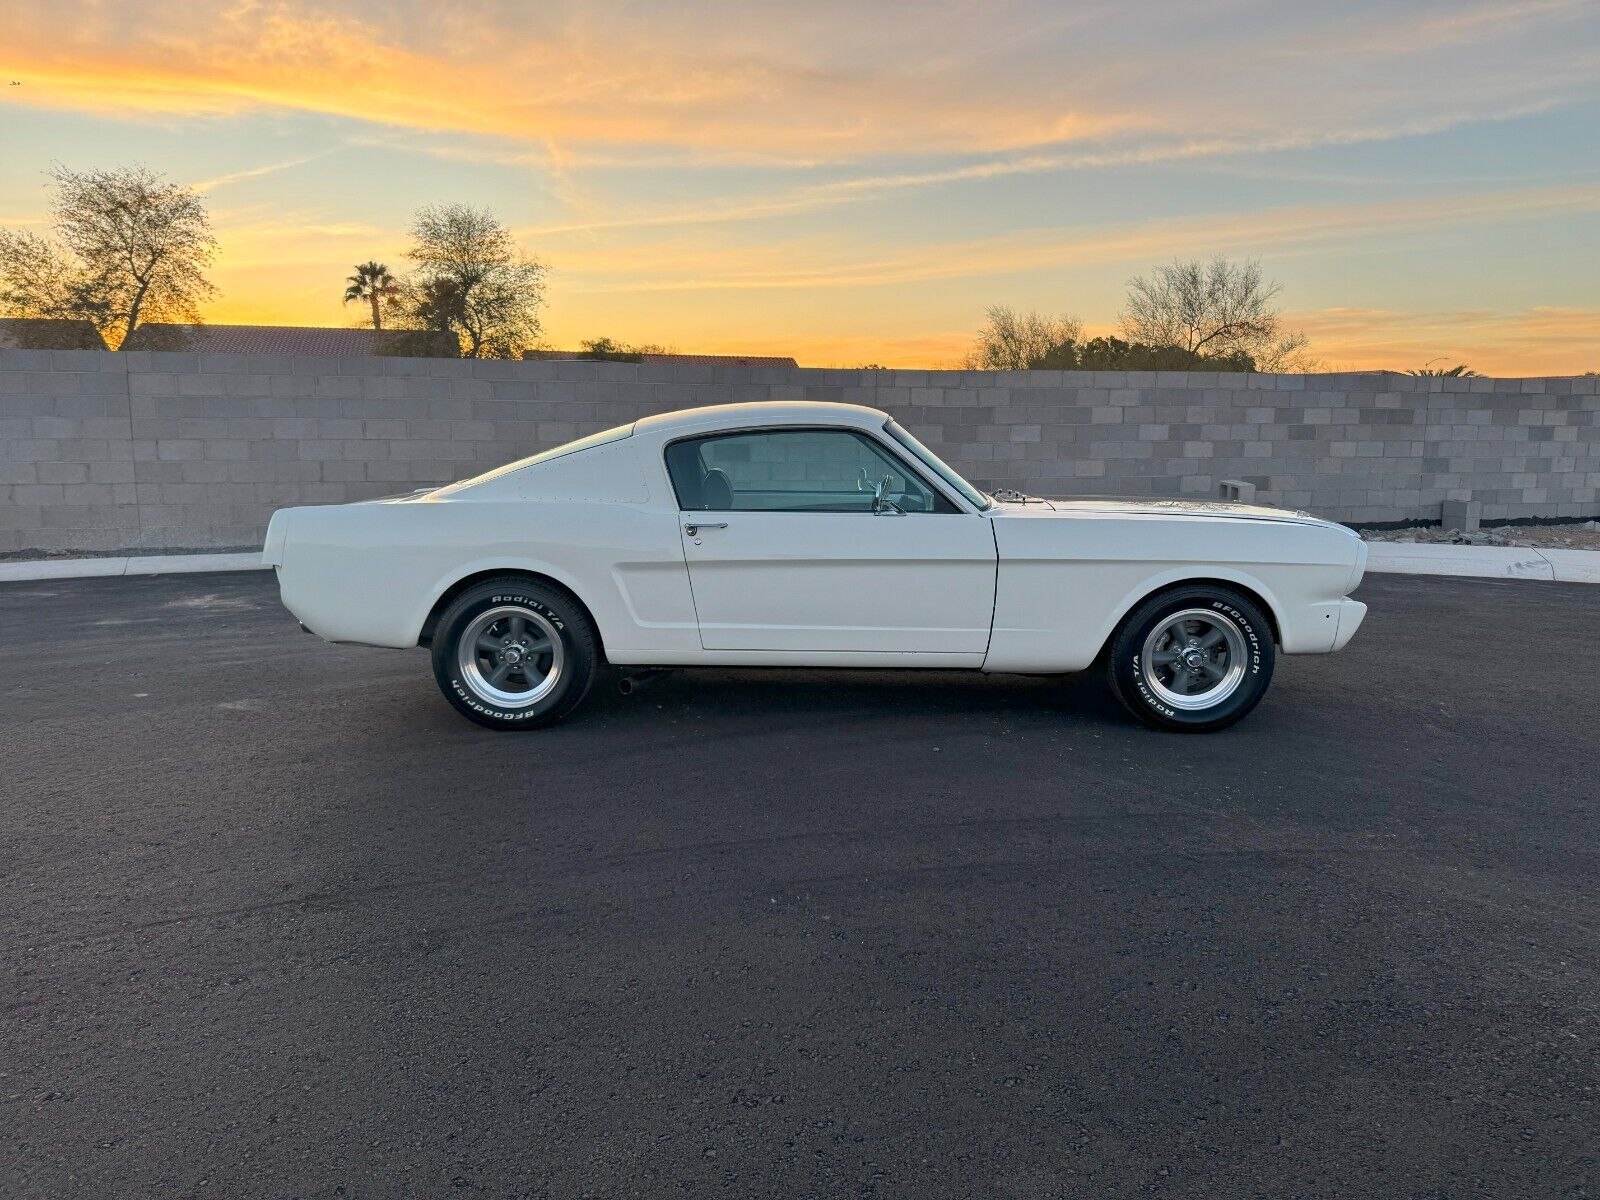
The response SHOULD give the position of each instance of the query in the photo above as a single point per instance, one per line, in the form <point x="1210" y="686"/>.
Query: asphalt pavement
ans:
<point x="277" y="922"/>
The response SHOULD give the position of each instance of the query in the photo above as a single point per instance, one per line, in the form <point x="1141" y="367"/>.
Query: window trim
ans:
<point x="890" y="450"/>
<point x="889" y="428"/>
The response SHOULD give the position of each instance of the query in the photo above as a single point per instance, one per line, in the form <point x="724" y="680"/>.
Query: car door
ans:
<point x="790" y="548"/>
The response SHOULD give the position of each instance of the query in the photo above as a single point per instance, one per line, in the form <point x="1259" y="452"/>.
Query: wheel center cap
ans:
<point x="513" y="654"/>
<point x="1192" y="657"/>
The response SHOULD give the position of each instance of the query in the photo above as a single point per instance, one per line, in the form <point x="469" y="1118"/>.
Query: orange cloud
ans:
<point x="541" y="86"/>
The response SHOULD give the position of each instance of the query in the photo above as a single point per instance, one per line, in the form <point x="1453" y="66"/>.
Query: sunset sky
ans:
<point x="855" y="183"/>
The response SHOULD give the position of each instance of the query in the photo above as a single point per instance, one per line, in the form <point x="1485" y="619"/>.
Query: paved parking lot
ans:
<point x="277" y="922"/>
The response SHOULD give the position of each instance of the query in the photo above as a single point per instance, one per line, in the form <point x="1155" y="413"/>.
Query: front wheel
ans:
<point x="510" y="653"/>
<point x="1192" y="659"/>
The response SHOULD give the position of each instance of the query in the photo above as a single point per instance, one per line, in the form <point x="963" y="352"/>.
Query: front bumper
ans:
<point x="1351" y="614"/>
<point x="277" y="538"/>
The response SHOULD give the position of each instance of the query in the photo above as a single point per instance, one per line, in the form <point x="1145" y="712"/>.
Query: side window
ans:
<point x="792" y="470"/>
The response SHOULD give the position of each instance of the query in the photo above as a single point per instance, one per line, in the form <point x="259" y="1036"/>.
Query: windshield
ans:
<point x="938" y="466"/>
<point x="584" y="443"/>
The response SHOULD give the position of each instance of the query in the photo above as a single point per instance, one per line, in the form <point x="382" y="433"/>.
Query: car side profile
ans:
<point x="810" y="535"/>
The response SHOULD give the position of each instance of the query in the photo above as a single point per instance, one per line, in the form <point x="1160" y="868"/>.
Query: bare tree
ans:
<point x="1288" y="354"/>
<point x="130" y="247"/>
<point x="1211" y="309"/>
<point x="373" y="285"/>
<point x="39" y="278"/>
<point x="1013" y="341"/>
<point x="471" y="277"/>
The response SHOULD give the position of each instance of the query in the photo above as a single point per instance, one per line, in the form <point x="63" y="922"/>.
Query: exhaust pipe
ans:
<point x="634" y="680"/>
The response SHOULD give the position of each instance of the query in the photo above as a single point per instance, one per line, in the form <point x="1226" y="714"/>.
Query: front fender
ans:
<point x="1065" y="582"/>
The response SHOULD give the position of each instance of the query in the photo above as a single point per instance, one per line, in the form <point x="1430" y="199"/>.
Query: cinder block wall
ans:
<point x="102" y="451"/>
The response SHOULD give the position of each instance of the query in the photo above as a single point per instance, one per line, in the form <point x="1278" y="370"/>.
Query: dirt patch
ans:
<point x="1577" y="536"/>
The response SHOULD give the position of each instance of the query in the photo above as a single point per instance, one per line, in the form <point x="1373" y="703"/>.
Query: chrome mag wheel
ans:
<point x="1194" y="659"/>
<point x="511" y="656"/>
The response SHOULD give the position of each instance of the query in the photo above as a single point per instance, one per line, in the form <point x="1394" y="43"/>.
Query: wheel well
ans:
<point x="461" y="585"/>
<point x="1249" y="593"/>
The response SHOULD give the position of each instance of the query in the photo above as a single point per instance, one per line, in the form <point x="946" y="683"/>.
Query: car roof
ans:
<point x="772" y="412"/>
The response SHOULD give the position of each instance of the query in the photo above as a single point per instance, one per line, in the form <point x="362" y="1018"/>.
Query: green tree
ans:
<point x="129" y="247"/>
<point x="607" y="350"/>
<point x="1114" y="354"/>
<point x="372" y="284"/>
<point x="435" y="304"/>
<point x="473" y="279"/>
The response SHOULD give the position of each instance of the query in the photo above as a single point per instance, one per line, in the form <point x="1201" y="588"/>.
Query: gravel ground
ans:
<point x="276" y="922"/>
<point x="1577" y="536"/>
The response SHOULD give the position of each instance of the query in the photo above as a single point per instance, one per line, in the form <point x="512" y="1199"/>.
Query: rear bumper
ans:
<point x="1351" y="614"/>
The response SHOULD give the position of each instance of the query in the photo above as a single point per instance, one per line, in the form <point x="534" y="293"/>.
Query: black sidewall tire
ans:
<point x="572" y="627"/>
<point x="1127" y="678"/>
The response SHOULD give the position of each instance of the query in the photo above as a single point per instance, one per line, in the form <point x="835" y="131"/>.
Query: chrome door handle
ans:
<point x="695" y="527"/>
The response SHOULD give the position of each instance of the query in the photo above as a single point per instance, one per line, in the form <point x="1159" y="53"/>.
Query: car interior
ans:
<point x="794" y="470"/>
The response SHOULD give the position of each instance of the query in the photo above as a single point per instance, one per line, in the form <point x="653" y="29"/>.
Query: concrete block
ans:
<point x="1335" y="442"/>
<point x="41" y="494"/>
<point x="63" y="472"/>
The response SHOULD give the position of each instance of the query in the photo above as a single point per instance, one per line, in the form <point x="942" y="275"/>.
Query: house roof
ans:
<point x="305" y="340"/>
<point x="46" y="333"/>
<point x="722" y="360"/>
<point x="692" y="360"/>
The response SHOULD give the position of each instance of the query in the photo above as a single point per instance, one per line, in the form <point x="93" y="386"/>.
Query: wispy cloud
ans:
<point x="684" y="268"/>
<point x="208" y="185"/>
<point x="813" y="197"/>
<point x="1435" y="28"/>
<point x="781" y="83"/>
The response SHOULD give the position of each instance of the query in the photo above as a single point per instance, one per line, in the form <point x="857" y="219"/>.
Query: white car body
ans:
<point x="1036" y="586"/>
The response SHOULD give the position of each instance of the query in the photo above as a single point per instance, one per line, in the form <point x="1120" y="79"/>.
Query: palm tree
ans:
<point x="372" y="283"/>
<point x="1429" y="371"/>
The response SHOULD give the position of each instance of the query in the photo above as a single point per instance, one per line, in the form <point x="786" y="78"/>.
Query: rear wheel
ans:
<point x="510" y="653"/>
<point x="1192" y="659"/>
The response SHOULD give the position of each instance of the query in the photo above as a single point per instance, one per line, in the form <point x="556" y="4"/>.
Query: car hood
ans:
<point x="1113" y="506"/>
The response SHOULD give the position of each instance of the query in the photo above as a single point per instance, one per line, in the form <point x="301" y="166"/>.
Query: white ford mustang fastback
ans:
<point x="814" y="535"/>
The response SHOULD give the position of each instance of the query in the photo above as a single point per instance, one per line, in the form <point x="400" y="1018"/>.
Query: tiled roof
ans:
<point x="693" y="360"/>
<point x="721" y="360"/>
<point x="306" y="340"/>
<point x="44" y="333"/>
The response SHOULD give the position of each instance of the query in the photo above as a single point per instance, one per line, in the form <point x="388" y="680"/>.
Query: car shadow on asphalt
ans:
<point x="821" y="698"/>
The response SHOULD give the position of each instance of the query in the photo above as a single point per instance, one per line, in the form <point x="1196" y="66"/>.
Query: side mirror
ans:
<point x="883" y="503"/>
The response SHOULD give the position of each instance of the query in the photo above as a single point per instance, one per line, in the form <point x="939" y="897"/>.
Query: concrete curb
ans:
<point x="1400" y="558"/>
<point x="1484" y="562"/>
<point x="137" y="564"/>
